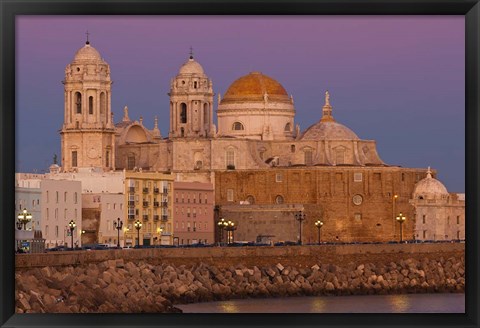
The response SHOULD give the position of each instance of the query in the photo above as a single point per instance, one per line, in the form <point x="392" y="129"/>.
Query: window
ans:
<point x="76" y="216"/>
<point x="47" y="198"/>
<point x="56" y="198"/>
<point x="65" y="213"/>
<point x="288" y="127"/>
<point x="130" y="162"/>
<point x="279" y="199"/>
<point x="358" y="217"/>
<point x="65" y="196"/>
<point x="74" y="158"/>
<point x="90" y="105"/>
<point x="75" y="198"/>
<point x="195" y="83"/>
<point x="56" y="231"/>
<point x="237" y="126"/>
<point x="292" y="148"/>
<point x="46" y="230"/>
<point x="423" y="218"/>
<point x="188" y="226"/>
<point x="358" y="177"/>
<point x="278" y="177"/>
<point x="183" y="225"/>
<point x="107" y="158"/>
<point x="183" y="113"/>
<point x="56" y="213"/>
<point x="308" y="157"/>
<point x="458" y="219"/>
<point x="458" y="234"/>
<point x="188" y="212"/>
<point x="194" y="212"/>
<point x="194" y="226"/>
<point x="340" y="156"/>
<point x="230" y="155"/>
<point x="229" y="195"/>
<point x="424" y="234"/>
<point x="78" y="102"/>
<point x="403" y="176"/>
<point x="250" y="199"/>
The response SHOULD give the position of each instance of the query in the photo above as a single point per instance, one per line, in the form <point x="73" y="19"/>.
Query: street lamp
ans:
<point x="230" y="227"/>
<point x="221" y="224"/>
<point x="23" y="219"/>
<point x="138" y="226"/>
<point x="319" y="225"/>
<point x="159" y="231"/>
<point x="401" y="218"/>
<point x="72" y="226"/>
<point x="118" y="225"/>
<point x="300" y="217"/>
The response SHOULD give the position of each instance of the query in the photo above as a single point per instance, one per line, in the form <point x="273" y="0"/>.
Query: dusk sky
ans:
<point x="398" y="80"/>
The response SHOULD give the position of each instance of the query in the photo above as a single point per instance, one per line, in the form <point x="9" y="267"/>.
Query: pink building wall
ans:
<point x="193" y="213"/>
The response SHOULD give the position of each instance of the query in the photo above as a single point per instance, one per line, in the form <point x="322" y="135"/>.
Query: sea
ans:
<point x="402" y="303"/>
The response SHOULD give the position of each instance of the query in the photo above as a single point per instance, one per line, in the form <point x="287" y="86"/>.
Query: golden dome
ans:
<point x="255" y="87"/>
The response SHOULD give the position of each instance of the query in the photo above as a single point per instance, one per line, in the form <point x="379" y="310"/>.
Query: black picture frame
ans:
<point x="9" y="9"/>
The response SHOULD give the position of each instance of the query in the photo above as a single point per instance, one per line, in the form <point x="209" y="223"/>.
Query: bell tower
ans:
<point x="191" y="102"/>
<point x="88" y="132"/>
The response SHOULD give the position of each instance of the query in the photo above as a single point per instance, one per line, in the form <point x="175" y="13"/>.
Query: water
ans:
<point x="404" y="303"/>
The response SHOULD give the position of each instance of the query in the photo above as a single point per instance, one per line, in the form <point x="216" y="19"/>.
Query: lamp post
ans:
<point x="72" y="226"/>
<point x="23" y="219"/>
<point x="221" y="225"/>
<point x="118" y="225"/>
<point x="159" y="231"/>
<point x="138" y="226"/>
<point x="300" y="217"/>
<point x="230" y="227"/>
<point x="319" y="225"/>
<point x="400" y="219"/>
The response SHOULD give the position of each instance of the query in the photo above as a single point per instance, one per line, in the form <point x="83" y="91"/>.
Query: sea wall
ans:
<point x="131" y="285"/>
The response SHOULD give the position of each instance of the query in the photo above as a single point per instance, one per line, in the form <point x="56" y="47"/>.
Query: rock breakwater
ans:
<point x="139" y="287"/>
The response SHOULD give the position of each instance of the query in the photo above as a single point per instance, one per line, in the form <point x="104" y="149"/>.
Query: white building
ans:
<point x="439" y="215"/>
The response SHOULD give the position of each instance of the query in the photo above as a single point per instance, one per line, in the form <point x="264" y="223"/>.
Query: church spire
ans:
<point x="88" y="42"/>
<point x="191" y="52"/>
<point x="327" y="109"/>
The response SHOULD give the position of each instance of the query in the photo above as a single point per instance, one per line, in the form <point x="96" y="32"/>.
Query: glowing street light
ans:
<point x="400" y="219"/>
<point x="319" y="225"/>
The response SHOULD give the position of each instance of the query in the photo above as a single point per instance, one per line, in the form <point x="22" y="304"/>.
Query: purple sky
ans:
<point x="398" y="80"/>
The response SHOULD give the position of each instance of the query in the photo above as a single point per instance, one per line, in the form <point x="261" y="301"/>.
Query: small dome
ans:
<point x="255" y="86"/>
<point x="87" y="52"/>
<point x="330" y="131"/>
<point x="430" y="186"/>
<point x="191" y="67"/>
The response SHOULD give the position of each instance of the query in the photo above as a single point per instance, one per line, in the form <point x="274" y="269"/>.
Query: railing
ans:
<point x="156" y="217"/>
<point x="131" y="217"/>
<point x="165" y="190"/>
<point x="164" y="204"/>
<point x="131" y="189"/>
<point x="131" y="203"/>
<point x="164" y="218"/>
<point x="145" y="190"/>
<point x="145" y="217"/>
<point x="156" y="204"/>
<point x="156" y="190"/>
<point x="145" y="204"/>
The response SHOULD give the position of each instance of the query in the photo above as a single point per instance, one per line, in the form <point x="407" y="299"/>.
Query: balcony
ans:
<point x="131" y="189"/>
<point x="131" y="203"/>
<point x="165" y="191"/>
<point x="145" y="217"/>
<point x="145" y="204"/>
<point x="156" y="190"/>
<point x="164" y="204"/>
<point x="145" y="190"/>
<point x="156" y="217"/>
<point x="156" y="204"/>
<point x="164" y="218"/>
<point x="131" y="217"/>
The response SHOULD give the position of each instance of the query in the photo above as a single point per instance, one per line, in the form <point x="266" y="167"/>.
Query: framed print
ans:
<point x="194" y="164"/>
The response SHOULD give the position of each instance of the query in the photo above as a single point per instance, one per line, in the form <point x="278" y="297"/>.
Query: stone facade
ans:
<point x="355" y="203"/>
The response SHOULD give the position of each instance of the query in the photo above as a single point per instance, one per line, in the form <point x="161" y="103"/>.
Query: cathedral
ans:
<point x="264" y="169"/>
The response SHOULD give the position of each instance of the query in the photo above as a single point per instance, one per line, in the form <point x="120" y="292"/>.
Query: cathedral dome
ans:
<point x="430" y="186"/>
<point x="87" y="52"/>
<point x="330" y="131"/>
<point x="257" y="87"/>
<point x="191" y="67"/>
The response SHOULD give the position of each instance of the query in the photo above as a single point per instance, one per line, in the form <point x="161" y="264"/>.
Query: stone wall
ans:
<point x="140" y="283"/>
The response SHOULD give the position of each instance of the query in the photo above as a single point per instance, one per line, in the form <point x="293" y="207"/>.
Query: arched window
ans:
<point x="205" y="114"/>
<point x="78" y="102"/>
<point x="308" y="157"/>
<point x="279" y="199"/>
<point x="288" y="127"/>
<point x="238" y="126"/>
<point x="90" y="105"/>
<point x="230" y="158"/>
<point x="183" y="113"/>
<point x="340" y="156"/>
<point x="250" y="199"/>
<point x="103" y="106"/>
